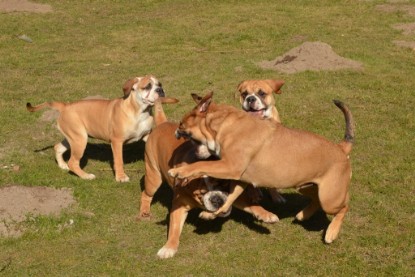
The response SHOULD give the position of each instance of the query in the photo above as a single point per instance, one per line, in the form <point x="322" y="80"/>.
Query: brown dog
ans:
<point x="285" y="158"/>
<point x="256" y="97"/>
<point x="118" y="121"/>
<point x="163" y="152"/>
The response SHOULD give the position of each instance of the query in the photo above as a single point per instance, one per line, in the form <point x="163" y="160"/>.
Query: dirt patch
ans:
<point x="23" y="6"/>
<point x="406" y="44"/>
<point x="408" y="9"/>
<point x="17" y="202"/>
<point x="314" y="56"/>
<point x="406" y="28"/>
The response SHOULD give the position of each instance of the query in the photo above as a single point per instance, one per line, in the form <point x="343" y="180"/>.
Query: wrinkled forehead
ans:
<point x="148" y="82"/>
<point x="255" y="86"/>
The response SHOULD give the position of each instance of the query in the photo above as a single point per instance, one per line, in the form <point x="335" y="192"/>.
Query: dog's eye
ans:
<point x="261" y="93"/>
<point x="244" y="94"/>
<point x="148" y="87"/>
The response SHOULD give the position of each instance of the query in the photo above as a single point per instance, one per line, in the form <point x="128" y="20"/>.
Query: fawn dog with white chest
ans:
<point x="282" y="158"/>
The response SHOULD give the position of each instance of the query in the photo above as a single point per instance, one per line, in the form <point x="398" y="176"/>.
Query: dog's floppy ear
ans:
<point x="205" y="102"/>
<point x="196" y="98"/>
<point x="275" y="85"/>
<point x="128" y="86"/>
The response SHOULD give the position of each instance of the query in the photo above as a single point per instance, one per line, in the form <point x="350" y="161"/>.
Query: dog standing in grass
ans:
<point x="118" y="121"/>
<point x="267" y="154"/>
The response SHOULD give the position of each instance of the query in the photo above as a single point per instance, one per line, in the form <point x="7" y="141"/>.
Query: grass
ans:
<point x="87" y="48"/>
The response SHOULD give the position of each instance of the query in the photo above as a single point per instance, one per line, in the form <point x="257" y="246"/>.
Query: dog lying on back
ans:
<point x="287" y="158"/>
<point x="118" y="121"/>
<point x="163" y="152"/>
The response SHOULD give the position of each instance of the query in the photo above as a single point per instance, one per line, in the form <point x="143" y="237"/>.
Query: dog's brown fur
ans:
<point x="118" y="121"/>
<point x="282" y="158"/>
<point x="163" y="152"/>
<point x="257" y="98"/>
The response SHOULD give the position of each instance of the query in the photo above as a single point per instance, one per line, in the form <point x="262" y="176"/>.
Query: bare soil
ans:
<point x="18" y="202"/>
<point x="314" y="56"/>
<point x="23" y="6"/>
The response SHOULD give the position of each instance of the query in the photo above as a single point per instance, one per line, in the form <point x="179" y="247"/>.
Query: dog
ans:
<point x="163" y="152"/>
<point x="256" y="97"/>
<point x="118" y="121"/>
<point x="282" y="158"/>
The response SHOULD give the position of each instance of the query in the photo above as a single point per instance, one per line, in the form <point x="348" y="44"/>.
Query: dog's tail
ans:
<point x="347" y="143"/>
<point x="54" y="105"/>
<point x="159" y="115"/>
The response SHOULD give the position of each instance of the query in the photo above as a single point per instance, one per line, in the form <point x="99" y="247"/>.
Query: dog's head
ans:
<point x="146" y="89"/>
<point x="189" y="126"/>
<point x="256" y="96"/>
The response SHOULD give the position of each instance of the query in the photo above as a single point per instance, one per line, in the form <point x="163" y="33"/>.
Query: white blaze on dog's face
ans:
<point x="256" y="96"/>
<point x="147" y="89"/>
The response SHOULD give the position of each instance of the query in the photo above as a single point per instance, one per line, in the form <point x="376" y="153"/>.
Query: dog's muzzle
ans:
<point x="250" y="99"/>
<point x="160" y="92"/>
<point x="214" y="199"/>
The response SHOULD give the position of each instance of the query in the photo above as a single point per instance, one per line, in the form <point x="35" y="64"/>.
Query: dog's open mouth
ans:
<point x="256" y="112"/>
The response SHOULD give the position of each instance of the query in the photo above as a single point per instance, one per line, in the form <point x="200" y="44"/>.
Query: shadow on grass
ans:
<point x="295" y="203"/>
<point x="102" y="152"/>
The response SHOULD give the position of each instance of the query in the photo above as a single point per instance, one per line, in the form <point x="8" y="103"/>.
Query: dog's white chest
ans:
<point x="143" y="125"/>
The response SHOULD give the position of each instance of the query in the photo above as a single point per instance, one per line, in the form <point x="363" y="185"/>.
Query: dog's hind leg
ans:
<point x="78" y="144"/>
<point x="152" y="182"/>
<point x="310" y="190"/>
<point x="60" y="149"/>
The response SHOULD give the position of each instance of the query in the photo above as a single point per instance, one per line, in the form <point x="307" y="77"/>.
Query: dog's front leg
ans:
<point x="120" y="175"/>
<point x="221" y="169"/>
<point x="236" y="189"/>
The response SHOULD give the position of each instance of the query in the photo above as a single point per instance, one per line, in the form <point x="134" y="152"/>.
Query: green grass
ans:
<point x="87" y="48"/>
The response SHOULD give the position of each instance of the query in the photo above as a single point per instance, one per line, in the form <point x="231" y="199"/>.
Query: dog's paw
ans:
<point x="122" y="179"/>
<point x="173" y="172"/>
<point x="88" y="177"/>
<point x="165" y="253"/>
<point x="207" y="215"/>
<point x="64" y="166"/>
<point x="269" y="218"/>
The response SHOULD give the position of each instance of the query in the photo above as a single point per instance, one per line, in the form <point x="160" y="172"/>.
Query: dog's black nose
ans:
<point x="160" y="92"/>
<point x="250" y="99"/>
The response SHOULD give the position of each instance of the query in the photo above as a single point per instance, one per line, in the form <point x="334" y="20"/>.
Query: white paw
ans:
<point x="165" y="253"/>
<point x="124" y="179"/>
<point x="271" y="218"/>
<point x="88" y="177"/>
<point x="207" y="215"/>
<point x="64" y="166"/>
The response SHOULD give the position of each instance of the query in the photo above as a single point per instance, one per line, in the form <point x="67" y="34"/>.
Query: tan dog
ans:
<point x="284" y="158"/>
<point x="256" y="97"/>
<point x="118" y="121"/>
<point x="163" y="152"/>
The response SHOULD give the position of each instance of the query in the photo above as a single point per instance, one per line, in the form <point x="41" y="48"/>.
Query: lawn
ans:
<point x="87" y="48"/>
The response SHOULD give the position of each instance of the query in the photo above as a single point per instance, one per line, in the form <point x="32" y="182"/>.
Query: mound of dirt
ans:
<point x="16" y="202"/>
<point x="313" y="56"/>
<point x="23" y="6"/>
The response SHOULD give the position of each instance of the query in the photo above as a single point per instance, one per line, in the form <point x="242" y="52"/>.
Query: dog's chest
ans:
<point x="142" y="125"/>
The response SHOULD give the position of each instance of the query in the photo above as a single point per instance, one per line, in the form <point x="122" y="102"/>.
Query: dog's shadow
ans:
<point x="102" y="152"/>
<point x="295" y="203"/>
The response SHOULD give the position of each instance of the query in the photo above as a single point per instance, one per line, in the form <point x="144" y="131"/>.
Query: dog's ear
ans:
<point x="204" y="104"/>
<point x="196" y="98"/>
<point x="128" y="86"/>
<point x="275" y="85"/>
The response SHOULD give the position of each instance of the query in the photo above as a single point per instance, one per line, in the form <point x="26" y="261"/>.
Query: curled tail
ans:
<point x="347" y="143"/>
<point x="54" y="105"/>
<point x="159" y="115"/>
